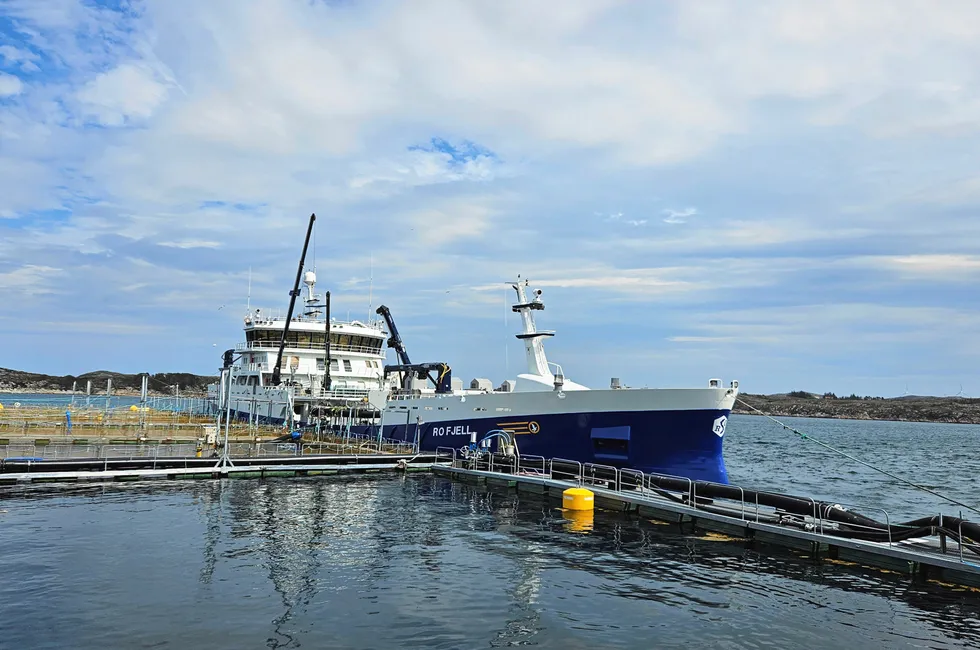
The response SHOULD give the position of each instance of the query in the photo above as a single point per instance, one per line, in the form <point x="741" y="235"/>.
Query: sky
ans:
<point x="784" y="193"/>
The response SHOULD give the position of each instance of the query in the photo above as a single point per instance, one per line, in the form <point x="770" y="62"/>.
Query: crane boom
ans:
<point x="292" y="303"/>
<point x="394" y="341"/>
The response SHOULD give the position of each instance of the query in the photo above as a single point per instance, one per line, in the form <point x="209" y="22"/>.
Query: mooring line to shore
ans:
<point x="805" y="436"/>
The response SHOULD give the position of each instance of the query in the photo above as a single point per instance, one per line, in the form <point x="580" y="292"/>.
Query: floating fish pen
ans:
<point x="936" y="547"/>
<point x="44" y="420"/>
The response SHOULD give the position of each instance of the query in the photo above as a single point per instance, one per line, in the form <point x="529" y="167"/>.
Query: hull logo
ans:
<point x="719" y="426"/>
<point x="520" y="428"/>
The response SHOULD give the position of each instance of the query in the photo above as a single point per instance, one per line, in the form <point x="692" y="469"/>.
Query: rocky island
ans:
<point x="912" y="408"/>
<point x="160" y="384"/>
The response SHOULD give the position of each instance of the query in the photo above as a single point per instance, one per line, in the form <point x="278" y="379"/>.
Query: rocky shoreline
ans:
<point x="954" y="410"/>
<point x="160" y="384"/>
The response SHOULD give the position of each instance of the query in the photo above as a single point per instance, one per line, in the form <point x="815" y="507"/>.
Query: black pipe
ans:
<point x="850" y="524"/>
<point x="276" y="373"/>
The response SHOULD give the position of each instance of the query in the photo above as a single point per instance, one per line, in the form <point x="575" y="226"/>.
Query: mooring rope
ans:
<point x="805" y="436"/>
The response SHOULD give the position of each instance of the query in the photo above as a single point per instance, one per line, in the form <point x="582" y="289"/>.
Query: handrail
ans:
<point x="854" y="506"/>
<point x="648" y="482"/>
<point x="627" y="470"/>
<point x="544" y="462"/>
<point x="551" y="466"/>
<point x="690" y="484"/>
<point x="592" y="467"/>
<point x="296" y="345"/>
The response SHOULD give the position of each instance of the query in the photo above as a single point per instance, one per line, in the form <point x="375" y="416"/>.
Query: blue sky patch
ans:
<point x="460" y="153"/>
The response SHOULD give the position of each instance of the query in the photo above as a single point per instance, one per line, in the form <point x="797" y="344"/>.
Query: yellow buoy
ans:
<point x="577" y="498"/>
<point x="134" y="408"/>
<point x="1" y="407"/>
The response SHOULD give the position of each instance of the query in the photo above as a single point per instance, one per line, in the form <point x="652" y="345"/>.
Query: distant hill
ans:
<point x="909" y="408"/>
<point x="160" y="384"/>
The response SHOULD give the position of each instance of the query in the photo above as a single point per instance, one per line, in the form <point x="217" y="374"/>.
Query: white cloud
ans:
<point x="30" y="279"/>
<point x="945" y="266"/>
<point x="454" y="220"/>
<point x="190" y="243"/>
<point x="24" y="59"/>
<point x="128" y="92"/>
<point x="679" y="216"/>
<point x="10" y="85"/>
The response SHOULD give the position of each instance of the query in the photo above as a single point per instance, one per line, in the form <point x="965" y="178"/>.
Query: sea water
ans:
<point x="395" y="561"/>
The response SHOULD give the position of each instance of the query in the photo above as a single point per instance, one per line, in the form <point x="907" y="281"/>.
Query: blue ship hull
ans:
<point x="678" y="443"/>
<point x="685" y="443"/>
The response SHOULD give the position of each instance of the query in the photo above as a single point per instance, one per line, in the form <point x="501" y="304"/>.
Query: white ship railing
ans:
<point x="271" y="345"/>
<point x="340" y="393"/>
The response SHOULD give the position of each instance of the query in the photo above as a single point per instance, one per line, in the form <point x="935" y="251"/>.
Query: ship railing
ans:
<point x="338" y="393"/>
<point x="319" y="347"/>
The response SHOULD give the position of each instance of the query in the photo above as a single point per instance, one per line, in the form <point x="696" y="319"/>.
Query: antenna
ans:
<point x="248" y="300"/>
<point x="371" y="289"/>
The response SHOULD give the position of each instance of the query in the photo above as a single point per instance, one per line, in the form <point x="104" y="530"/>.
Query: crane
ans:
<point x="443" y="374"/>
<point x="443" y="379"/>
<point x="394" y="341"/>
<point x="292" y="303"/>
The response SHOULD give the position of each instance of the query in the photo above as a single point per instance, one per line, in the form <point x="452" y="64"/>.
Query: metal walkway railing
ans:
<point x="614" y="479"/>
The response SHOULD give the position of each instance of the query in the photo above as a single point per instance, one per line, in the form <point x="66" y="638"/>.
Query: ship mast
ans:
<point x="537" y="362"/>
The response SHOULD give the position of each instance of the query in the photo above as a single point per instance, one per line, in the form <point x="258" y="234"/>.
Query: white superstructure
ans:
<point x="313" y="379"/>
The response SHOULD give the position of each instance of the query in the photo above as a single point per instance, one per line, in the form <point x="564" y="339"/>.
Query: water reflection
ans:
<point x="377" y="562"/>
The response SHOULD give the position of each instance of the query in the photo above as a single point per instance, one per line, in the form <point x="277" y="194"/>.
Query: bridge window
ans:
<point x="311" y="340"/>
<point x="347" y="366"/>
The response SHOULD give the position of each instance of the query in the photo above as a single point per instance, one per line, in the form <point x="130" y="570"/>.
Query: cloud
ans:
<point x="30" y="279"/>
<point x="161" y="149"/>
<point x="191" y="243"/>
<point x="679" y="216"/>
<point x="454" y="220"/>
<point x="10" y="85"/>
<point x="20" y="58"/>
<point x="944" y="266"/>
<point x="128" y="92"/>
<point x="432" y="164"/>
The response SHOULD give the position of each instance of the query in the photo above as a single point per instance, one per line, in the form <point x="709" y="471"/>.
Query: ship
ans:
<point x="672" y="431"/>
<point x="311" y="372"/>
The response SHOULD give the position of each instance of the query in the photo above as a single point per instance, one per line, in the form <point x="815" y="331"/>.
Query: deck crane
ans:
<point x="442" y="377"/>
<point x="276" y="374"/>
<point x="394" y="341"/>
